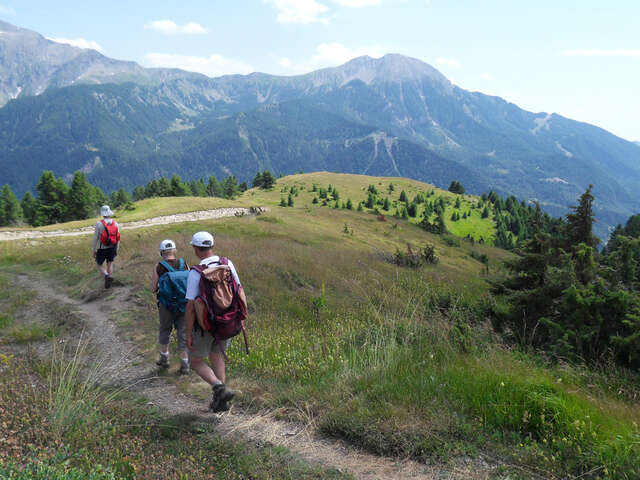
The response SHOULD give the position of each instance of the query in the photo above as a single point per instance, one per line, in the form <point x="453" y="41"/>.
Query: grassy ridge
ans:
<point x="399" y="361"/>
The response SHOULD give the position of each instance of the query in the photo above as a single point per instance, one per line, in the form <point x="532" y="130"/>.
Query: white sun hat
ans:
<point x="105" y="211"/>
<point x="202" y="239"/>
<point x="167" y="245"/>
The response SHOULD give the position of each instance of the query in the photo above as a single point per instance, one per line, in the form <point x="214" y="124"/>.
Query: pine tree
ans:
<point x="164" y="187"/>
<point x="30" y="209"/>
<point x="387" y="205"/>
<point x="268" y="180"/>
<point x="485" y="212"/>
<point x="412" y="210"/>
<point x="138" y="194"/>
<point x="230" y="186"/>
<point x="579" y="227"/>
<point x="349" y="204"/>
<point x="214" y="189"/>
<point x="10" y="209"/>
<point x="80" y="202"/>
<point x="52" y="196"/>
<point x="257" y="180"/>
<point x="403" y="196"/>
<point x="290" y="201"/>
<point x="283" y="202"/>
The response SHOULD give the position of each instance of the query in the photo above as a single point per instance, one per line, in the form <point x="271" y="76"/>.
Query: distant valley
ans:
<point x="68" y="109"/>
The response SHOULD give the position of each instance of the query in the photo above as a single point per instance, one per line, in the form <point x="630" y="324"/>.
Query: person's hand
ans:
<point x="94" y="254"/>
<point x="190" y="342"/>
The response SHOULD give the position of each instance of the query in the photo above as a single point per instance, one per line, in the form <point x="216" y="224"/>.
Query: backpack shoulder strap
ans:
<point x="182" y="264"/>
<point x="166" y="265"/>
<point x="104" y="224"/>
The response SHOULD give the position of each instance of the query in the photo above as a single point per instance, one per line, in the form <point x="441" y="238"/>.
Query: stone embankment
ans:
<point x="149" y="222"/>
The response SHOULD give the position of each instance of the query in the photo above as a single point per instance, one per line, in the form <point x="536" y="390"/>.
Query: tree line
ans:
<point x="566" y="298"/>
<point x="55" y="201"/>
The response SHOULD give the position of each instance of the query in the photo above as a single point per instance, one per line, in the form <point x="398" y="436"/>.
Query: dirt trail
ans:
<point x="130" y="369"/>
<point x="163" y="220"/>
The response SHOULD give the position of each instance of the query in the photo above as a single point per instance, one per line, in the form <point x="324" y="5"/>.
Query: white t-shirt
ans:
<point x="193" y="280"/>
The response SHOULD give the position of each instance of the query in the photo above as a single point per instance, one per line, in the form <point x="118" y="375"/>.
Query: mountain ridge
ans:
<point x="150" y="117"/>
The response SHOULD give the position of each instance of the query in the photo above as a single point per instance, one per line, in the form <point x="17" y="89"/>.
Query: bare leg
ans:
<point x="109" y="268"/>
<point x="217" y="363"/>
<point x="164" y="348"/>
<point x="203" y="370"/>
<point x="102" y="269"/>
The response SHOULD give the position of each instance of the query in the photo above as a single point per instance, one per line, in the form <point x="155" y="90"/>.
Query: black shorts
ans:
<point x="107" y="254"/>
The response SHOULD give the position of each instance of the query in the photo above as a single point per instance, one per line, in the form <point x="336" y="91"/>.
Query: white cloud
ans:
<point x="357" y="3"/>
<point x="285" y="62"/>
<point x="299" y="11"/>
<point x="600" y="52"/>
<point x="169" y="27"/>
<point x="331" y="55"/>
<point x="213" y="65"/>
<point x="79" y="42"/>
<point x="448" y="62"/>
<point x="486" y="76"/>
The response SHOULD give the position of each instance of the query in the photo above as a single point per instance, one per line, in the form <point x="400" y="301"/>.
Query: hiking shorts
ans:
<point x="204" y="344"/>
<point x="107" y="254"/>
<point x="168" y="321"/>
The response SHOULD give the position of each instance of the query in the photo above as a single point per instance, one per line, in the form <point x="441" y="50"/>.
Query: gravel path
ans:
<point x="163" y="220"/>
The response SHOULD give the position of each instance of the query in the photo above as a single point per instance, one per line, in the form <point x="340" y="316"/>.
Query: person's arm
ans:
<point x="189" y="318"/>
<point x="154" y="280"/>
<point x="234" y="273"/>
<point x="193" y="287"/>
<point x="96" y="238"/>
<point x="117" y="244"/>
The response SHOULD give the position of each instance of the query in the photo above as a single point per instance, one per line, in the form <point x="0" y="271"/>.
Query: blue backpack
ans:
<point x="172" y="287"/>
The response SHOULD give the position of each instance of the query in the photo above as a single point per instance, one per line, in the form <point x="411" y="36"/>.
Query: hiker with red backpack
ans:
<point x="169" y="283"/>
<point x="216" y="310"/>
<point x="105" y="244"/>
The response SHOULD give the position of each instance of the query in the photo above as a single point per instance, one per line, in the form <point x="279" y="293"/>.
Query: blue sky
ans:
<point x="580" y="59"/>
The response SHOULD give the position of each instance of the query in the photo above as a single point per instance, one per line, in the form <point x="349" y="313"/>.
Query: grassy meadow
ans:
<point x="397" y="360"/>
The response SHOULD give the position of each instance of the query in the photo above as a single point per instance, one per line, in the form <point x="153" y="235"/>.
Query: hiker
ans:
<point x="202" y="343"/>
<point x="169" y="282"/>
<point x="105" y="244"/>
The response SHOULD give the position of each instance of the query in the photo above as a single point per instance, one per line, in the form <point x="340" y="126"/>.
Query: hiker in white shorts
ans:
<point x="200" y="343"/>
<point x="169" y="319"/>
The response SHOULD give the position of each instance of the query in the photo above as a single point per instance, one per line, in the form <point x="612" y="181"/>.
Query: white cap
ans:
<point x="105" y="211"/>
<point x="167" y="245"/>
<point x="202" y="239"/>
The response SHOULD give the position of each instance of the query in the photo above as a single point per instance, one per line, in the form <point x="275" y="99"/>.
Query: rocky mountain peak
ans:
<point x="387" y="69"/>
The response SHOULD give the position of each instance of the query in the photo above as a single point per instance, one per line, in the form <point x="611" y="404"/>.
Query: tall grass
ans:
<point x="77" y="394"/>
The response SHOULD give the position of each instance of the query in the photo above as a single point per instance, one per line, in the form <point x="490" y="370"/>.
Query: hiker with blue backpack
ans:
<point x="169" y="282"/>
<point x="215" y="313"/>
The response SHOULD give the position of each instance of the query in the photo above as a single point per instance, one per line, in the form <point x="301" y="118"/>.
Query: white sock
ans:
<point x="165" y="354"/>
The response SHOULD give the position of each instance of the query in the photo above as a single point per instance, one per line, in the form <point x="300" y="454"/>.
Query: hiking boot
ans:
<point x="223" y="407"/>
<point x="221" y="395"/>
<point x="184" y="368"/>
<point x="163" y="361"/>
<point x="108" y="281"/>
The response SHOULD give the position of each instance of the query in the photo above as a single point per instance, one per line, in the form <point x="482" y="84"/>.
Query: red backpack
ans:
<point x="110" y="236"/>
<point x="221" y="305"/>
